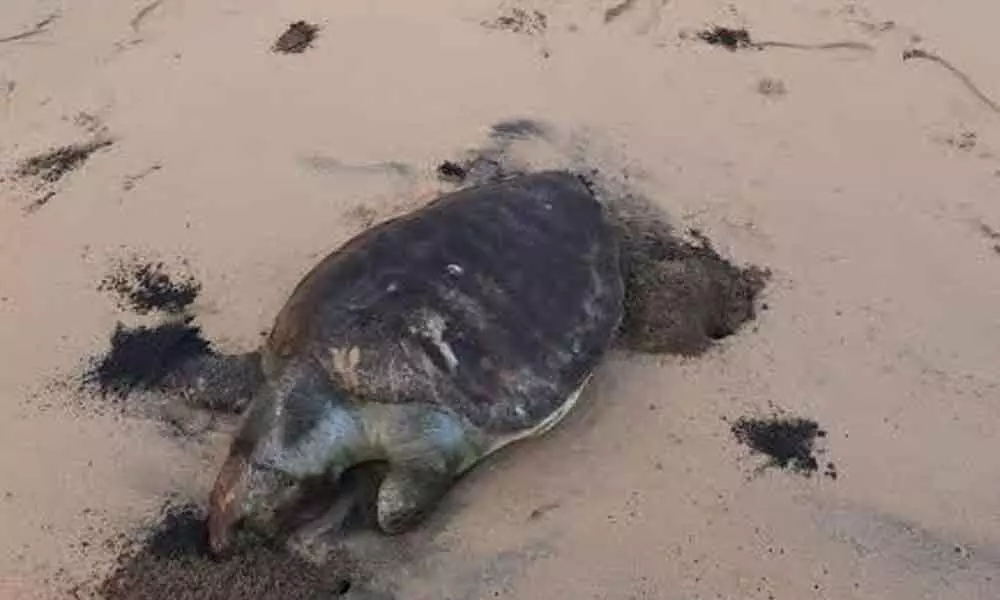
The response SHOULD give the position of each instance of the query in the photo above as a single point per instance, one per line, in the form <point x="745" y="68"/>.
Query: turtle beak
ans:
<point x="225" y="501"/>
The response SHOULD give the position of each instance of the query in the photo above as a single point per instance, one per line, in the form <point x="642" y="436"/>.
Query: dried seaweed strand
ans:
<point x="830" y="46"/>
<point x="144" y="12"/>
<point x="919" y="53"/>
<point x="39" y="28"/>
<point x="618" y="10"/>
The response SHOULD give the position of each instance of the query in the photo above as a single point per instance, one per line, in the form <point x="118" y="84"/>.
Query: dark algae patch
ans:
<point x="181" y="532"/>
<point x="51" y="166"/>
<point x="452" y="172"/>
<point x="171" y="356"/>
<point x="296" y="39"/>
<point x="789" y="443"/>
<point x="144" y="287"/>
<point x="681" y="296"/>
<point x="518" y="20"/>
<point x="618" y="10"/>
<point x="731" y="39"/>
<point x="172" y="562"/>
<point x="141" y="357"/>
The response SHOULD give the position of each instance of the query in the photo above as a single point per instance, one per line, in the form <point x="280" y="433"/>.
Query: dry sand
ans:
<point x="869" y="185"/>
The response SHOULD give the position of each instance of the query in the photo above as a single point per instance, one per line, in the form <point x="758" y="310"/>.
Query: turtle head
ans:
<point x="249" y="488"/>
<point x="292" y="439"/>
<point x="249" y="493"/>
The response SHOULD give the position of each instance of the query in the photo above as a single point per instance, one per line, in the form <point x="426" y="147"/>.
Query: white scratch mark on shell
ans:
<point x="345" y="363"/>
<point x="434" y="327"/>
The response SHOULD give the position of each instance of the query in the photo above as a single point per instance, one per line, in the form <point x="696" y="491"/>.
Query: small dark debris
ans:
<point x="89" y="123"/>
<point x="173" y="562"/>
<point x="771" y="87"/>
<point x="51" y="166"/>
<point x="140" y="357"/>
<point x="965" y="141"/>
<point x="144" y="286"/>
<point x="880" y="27"/>
<point x="519" y="20"/>
<point x="39" y="28"/>
<point x="451" y="172"/>
<point x="296" y="39"/>
<point x="39" y="202"/>
<point x="132" y="180"/>
<point x="731" y="39"/>
<point x="181" y="532"/>
<point x="491" y="163"/>
<point x="989" y="232"/>
<point x="618" y="10"/>
<point x="543" y="510"/>
<point x="788" y="442"/>
<point x="487" y="166"/>
<point x="517" y="129"/>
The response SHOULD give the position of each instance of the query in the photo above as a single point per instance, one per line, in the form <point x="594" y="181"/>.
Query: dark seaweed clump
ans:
<point x="145" y="286"/>
<point x="518" y="20"/>
<point x="452" y="172"/>
<point x="141" y="357"/>
<point x="173" y="562"/>
<point x="296" y="39"/>
<point x="789" y="443"/>
<point x="731" y="39"/>
<point x="51" y="166"/>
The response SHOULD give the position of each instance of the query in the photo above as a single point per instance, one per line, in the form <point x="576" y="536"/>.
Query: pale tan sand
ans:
<point x="854" y="186"/>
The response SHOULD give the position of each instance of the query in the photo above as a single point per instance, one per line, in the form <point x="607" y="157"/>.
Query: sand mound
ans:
<point x="173" y="563"/>
<point x="680" y="296"/>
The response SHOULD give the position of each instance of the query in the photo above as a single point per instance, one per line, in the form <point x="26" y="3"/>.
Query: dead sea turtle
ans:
<point x="428" y="342"/>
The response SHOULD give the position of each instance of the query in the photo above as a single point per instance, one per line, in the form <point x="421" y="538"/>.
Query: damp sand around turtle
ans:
<point x="140" y="358"/>
<point x="173" y="562"/>
<point x="681" y="297"/>
<point x="173" y="361"/>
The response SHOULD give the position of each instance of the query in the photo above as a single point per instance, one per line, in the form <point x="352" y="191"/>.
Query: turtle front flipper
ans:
<point x="426" y="449"/>
<point x="407" y="496"/>
<point x="336" y="510"/>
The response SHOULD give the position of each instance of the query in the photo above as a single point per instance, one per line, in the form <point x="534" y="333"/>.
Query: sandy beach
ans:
<point x="851" y="148"/>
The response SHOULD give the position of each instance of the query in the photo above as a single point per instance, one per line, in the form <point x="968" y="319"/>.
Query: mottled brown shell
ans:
<point x="495" y="301"/>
